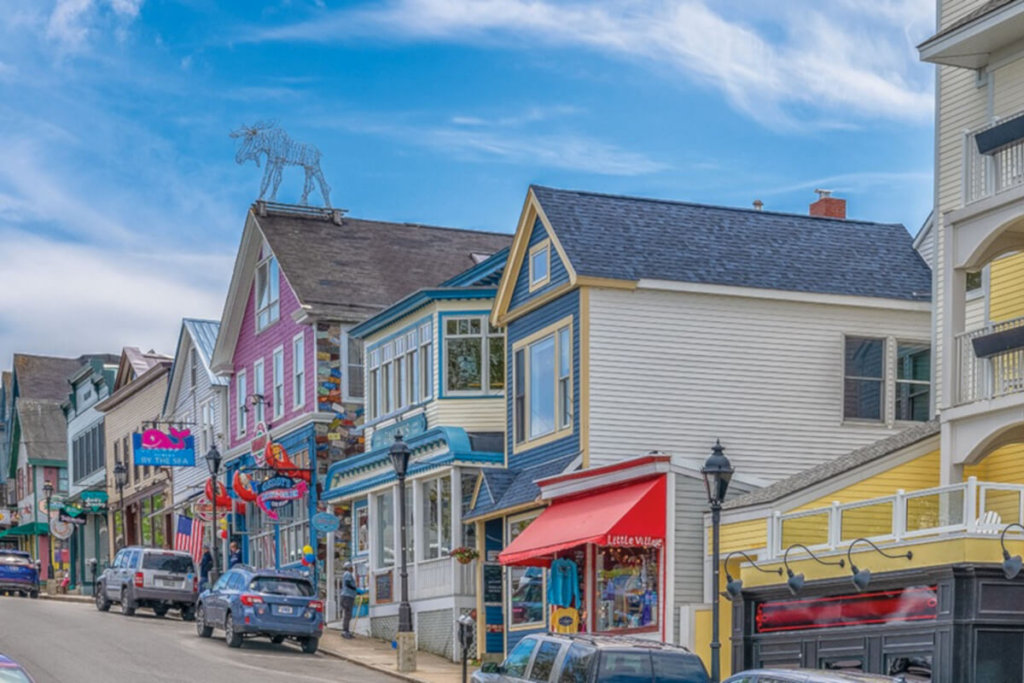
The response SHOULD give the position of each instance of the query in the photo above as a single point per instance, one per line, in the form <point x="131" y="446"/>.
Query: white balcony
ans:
<point x="997" y="374"/>
<point x="997" y="170"/>
<point x="969" y="508"/>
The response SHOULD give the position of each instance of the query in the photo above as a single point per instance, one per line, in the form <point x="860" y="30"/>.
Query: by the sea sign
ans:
<point x="173" y="448"/>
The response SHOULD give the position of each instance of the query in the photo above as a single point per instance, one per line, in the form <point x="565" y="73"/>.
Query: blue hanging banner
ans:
<point x="175" y="448"/>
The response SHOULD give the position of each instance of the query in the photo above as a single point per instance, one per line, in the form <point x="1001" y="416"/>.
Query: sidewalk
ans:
<point x="67" y="597"/>
<point x="378" y="655"/>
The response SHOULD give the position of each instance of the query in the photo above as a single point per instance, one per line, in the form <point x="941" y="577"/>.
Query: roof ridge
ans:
<point x="679" y="202"/>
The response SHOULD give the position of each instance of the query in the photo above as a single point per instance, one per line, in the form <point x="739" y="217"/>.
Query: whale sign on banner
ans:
<point x="175" y="448"/>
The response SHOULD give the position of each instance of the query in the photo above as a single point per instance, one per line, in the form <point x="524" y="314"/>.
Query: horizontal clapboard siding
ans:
<point x="764" y="376"/>
<point x="1006" y="288"/>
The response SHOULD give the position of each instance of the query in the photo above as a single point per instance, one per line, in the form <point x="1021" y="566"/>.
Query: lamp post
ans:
<point x="48" y="492"/>
<point x="120" y="479"/>
<point x="717" y="473"/>
<point x="406" y="638"/>
<point x="213" y="463"/>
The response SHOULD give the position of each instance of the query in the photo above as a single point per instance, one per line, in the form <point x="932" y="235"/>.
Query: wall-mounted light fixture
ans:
<point x="796" y="581"/>
<point x="1011" y="565"/>
<point x="862" y="577"/>
<point x="734" y="587"/>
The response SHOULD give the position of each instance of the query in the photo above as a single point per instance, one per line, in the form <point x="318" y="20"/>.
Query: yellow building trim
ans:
<point x="535" y="303"/>
<point x="481" y="618"/>
<point x="545" y="246"/>
<point x="585" y="376"/>
<point x="560" y="431"/>
<point x="606" y="282"/>
<point x="1006" y="288"/>
<point x="523" y="507"/>
<point x="532" y="211"/>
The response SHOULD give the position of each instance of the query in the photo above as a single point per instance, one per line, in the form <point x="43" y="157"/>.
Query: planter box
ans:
<point x="995" y="343"/>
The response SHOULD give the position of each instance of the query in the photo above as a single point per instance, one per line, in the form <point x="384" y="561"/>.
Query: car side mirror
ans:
<point x="491" y="668"/>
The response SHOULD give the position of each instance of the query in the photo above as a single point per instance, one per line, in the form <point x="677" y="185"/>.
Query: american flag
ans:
<point x="189" y="536"/>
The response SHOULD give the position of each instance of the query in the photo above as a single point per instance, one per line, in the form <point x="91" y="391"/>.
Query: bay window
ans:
<point x="268" y="294"/>
<point x="474" y="354"/>
<point x="399" y="372"/>
<point x="542" y="386"/>
<point x="437" y="517"/>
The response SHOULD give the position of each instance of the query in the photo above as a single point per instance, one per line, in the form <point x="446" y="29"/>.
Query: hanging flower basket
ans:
<point x="464" y="554"/>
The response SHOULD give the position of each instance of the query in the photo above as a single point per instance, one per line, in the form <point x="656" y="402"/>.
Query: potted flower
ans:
<point x="464" y="554"/>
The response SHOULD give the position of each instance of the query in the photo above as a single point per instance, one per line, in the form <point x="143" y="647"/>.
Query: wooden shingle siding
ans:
<point x="764" y="376"/>
<point x="521" y="293"/>
<point x="563" y="306"/>
<point x="1006" y="297"/>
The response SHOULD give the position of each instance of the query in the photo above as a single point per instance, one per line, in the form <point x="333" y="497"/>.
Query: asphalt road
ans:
<point x="65" y="642"/>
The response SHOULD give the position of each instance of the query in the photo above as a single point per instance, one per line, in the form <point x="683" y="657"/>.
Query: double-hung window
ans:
<point x="298" y="371"/>
<point x="268" y="294"/>
<point x="399" y="372"/>
<point x="542" y="384"/>
<point x="241" y="391"/>
<point x="426" y="355"/>
<point x="373" y="402"/>
<point x="474" y="356"/>
<point x="437" y="517"/>
<point x="886" y="380"/>
<point x="206" y="426"/>
<point x="353" y="368"/>
<point x="278" y="368"/>
<point x="258" y="378"/>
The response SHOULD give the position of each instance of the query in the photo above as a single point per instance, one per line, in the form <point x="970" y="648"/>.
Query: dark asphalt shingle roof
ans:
<point x="43" y="429"/>
<point x="522" y="488"/>
<point x="836" y="467"/>
<point x="630" y="238"/>
<point x="359" y="267"/>
<point x="977" y="13"/>
<point x="45" y="377"/>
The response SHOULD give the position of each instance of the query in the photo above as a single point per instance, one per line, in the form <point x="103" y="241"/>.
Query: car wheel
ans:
<point x="202" y="629"/>
<point x="161" y="611"/>
<point x="188" y="613"/>
<point x="310" y="645"/>
<point x="277" y="640"/>
<point x="127" y="608"/>
<point x="34" y="594"/>
<point x="232" y="638"/>
<point x="102" y="604"/>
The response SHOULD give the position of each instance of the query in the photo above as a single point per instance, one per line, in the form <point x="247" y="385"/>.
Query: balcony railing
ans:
<point x="972" y="507"/>
<point x="1000" y="169"/>
<point x="995" y="375"/>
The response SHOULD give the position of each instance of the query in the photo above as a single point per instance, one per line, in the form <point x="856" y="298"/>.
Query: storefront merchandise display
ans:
<point x="627" y="583"/>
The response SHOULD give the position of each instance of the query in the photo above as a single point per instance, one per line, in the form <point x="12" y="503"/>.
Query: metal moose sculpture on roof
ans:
<point x="265" y="138"/>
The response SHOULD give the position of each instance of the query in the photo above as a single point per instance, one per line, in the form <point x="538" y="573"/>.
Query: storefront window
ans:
<point x="467" y="490"/>
<point x="159" y="537"/>
<point x="147" y="522"/>
<point x="385" y="530"/>
<point x="627" y="584"/>
<point x="525" y="585"/>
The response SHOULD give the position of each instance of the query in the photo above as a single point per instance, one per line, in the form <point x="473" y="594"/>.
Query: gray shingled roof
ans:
<point x="978" y="13"/>
<point x="630" y="238"/>
<point x="45" y="377"/>
<point x="43" y="429"/>
<point x="359" y="267"/>
<point x="836" y="467"/>
<point x="522" y="488"/>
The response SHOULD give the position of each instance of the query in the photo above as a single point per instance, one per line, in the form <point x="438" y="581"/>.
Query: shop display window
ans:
<point x="526" y="591"/>
<point x="627" y="586"/>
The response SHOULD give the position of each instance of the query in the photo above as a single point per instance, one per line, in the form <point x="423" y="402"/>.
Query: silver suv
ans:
<point x="150" y="577"/>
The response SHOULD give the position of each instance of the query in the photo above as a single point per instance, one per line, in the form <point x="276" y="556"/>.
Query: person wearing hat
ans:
<point x="349" y="591"/>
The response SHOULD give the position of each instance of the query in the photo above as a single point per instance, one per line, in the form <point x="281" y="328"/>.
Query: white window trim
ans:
<point x="545" y="246"/>
<point x="207" y="430"/>
<point x="299" y="362"/>
<point x="346" y="391"/>
<point x="427" y="356"/>
<point x="241" y="389"/>
<point x="889" y="382"/>
<point x="277" y="381"/>
<point x="259" y="387"/>
<point x="485" y="362"/>
<point x="560" y="431"/>
<point x="256" y="293"/>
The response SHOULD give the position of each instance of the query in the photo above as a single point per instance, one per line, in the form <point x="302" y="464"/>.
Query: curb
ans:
<point x="371" y="667"/>
<point x="66" y="598"/>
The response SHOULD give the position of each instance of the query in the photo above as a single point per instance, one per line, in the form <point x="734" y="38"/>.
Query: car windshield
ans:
<point x="13" y="675"/>
<point x="167" y="562"/>
<point x="8" y="558"/>
<point x="274" y="585"/>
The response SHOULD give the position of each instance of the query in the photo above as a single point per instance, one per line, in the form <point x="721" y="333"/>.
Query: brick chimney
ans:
<point x="828" y="206"/>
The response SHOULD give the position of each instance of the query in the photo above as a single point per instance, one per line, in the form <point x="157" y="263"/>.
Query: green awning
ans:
<point x="30" y="529"/>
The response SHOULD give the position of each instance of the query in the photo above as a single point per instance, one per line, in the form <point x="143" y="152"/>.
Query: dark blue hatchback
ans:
<point x="248" y="603"/>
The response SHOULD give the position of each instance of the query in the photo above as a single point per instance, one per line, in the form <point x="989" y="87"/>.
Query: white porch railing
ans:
<point x="969" y="508"/>
<point x="985" y="378"/>
<point x="444" y="576"/>
<point x="987" y="174"/>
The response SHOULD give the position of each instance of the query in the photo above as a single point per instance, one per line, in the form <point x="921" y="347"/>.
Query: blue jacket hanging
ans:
<point x="563" y="584"/>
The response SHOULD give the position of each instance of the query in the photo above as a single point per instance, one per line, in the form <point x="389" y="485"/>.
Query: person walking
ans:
<point x="205" y="565"/>
<point x="349" y="590"/>
<point x="235" y="556"/>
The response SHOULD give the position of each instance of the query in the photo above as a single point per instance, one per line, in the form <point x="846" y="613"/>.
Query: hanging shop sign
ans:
<point x="93" y="501"/>
<point x="61" y="530"/>
<point x="259" y="443"/>
<point x="384" y="436"/>
<point x="244" y="487"/>
<point x="174" y="448"/>
<point x="76" y="520"/>
<point x="278" y="492"/>
<point x="277" y="457"/>
<point x="325" y="523"/>
<point x="6" y="517"/>
<point x="918" y="603"/>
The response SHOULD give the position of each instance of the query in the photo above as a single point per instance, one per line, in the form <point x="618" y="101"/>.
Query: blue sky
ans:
<point x="121" y="205"/>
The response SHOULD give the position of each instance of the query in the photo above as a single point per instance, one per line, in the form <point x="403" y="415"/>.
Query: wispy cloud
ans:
<point x="72" y="22"/>
<point x="782" y="67"/>
<point x="854" y="182"/>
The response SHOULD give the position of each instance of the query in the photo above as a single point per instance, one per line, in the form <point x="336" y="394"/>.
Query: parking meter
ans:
<point x="466" y="635"/>
<point x="93" y="566"/>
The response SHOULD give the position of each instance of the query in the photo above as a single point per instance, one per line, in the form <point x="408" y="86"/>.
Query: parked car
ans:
<point x="250" y="603"/>
<point x="11" y="671"/>
<point x="149" y="577"/>
<point x="812" y="676"/>
<point x="18" y="573"/>
<point x="581" y="658"/>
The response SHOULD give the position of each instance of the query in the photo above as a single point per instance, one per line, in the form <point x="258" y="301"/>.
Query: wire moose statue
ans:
<point x="267" y="138"/>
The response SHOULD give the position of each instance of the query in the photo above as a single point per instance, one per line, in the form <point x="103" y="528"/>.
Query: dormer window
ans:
<point x="268" y="293"/>
<point x="540" y="264"/>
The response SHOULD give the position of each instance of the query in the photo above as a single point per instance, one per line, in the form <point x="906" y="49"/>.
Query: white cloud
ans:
<point x="72" y="22"/>
<point x="773" y="60"/>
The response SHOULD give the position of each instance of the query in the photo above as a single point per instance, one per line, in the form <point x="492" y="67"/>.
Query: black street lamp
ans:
<point x="717" y="473"/>
<point x="120" y="479"/>
<point x="48" y="492"/>
<point x="400" y="461"/>
<point x="213" y="463"/>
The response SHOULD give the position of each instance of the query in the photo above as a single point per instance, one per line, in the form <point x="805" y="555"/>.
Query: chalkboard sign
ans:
<point x="382" y="588"/>
<point x="492" y="583"/>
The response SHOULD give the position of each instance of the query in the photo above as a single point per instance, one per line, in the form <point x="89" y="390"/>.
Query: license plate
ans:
<point x="169" y="583"/>
<point x="284" y="609"/>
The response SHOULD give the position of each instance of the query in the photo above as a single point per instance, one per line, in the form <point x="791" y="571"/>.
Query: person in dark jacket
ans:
<point x="205" y="565"/>
<point x="349" y="590"/>
<point x="235" y="556"/>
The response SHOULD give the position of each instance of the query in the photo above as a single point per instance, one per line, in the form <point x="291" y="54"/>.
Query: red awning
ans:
<point x="631" y="515"/>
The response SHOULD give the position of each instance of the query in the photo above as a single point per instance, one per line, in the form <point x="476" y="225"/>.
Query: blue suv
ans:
<point x="248" y="603"/>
